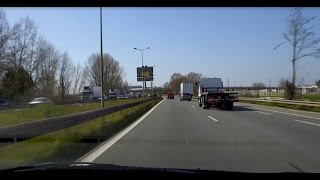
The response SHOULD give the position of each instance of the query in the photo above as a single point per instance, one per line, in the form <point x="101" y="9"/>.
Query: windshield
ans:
<point x="230" y="89"/>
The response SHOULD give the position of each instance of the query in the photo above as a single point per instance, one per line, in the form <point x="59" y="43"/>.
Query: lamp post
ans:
<point x="143" y="80"/>
<point x="101" y="57"/>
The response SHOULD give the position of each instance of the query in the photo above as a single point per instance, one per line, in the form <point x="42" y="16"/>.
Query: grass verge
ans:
<point x="311" y="97"/>
<point x="289" y="106"/>
<point x="49" y="110"/>
<point x="69" y="144"/>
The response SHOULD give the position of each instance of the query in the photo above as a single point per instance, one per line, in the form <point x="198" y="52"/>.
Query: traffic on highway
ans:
<point x="159" y="90"/>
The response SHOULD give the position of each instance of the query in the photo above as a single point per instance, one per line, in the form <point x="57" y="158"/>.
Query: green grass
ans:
<point x="67" y="145"/>
<point x="289" y="106"/>
<point x="311" y="97"/>
<point x="276" y="96"/>
<point x="48" y="110"/>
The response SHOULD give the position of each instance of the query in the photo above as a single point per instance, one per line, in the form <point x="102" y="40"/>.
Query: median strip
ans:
<point x="32" y="129"/>
<point x="68" y="145"/>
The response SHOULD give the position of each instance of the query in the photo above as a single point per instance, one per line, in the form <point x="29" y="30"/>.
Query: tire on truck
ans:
<point x="229" y="105"/>
<point x="200" y="102"/>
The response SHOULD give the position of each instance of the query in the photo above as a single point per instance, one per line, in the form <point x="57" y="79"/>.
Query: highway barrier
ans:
<point x="24" y="131"/>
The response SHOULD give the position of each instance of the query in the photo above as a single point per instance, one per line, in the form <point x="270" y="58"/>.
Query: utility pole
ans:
<point x="101" y="62"/>
<point x="143" y="79"/>
<point x="270" y="85"/>
<point x="228" y="85"/>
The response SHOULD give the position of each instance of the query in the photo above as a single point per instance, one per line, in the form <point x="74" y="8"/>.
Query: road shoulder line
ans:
<point x="95" y="153"/>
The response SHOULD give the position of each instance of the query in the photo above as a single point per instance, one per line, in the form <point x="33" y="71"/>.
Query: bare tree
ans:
<point x="22" y="44"/>
<point x="5" y="35"/>
<point x="258" y="85"/>
<point x="77" y="78"/>
<point x="282" y="83"/>
<point x="317" y="83"/>
<point x="176" y="79"/>
<point x="166" y="85"/>
<point x="48" y="57"/>
<point x="113" y="73"/>
<point x="125" y="84"/>
<point x="302" y="38"/>
<point x="66" y="73"/>
<point x="193" y="77"/>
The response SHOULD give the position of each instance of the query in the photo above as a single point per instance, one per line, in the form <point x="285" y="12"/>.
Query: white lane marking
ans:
<point x="193" y="106"/>
<point x="288" y="113"/>
<point x="95" y="153"/>
<point x="213" y="119"/>
<point x="306" y="122"/>
<point x="263" y="113"/>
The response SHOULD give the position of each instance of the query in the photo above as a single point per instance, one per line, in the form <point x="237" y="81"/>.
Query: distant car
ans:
<point x="129" y="95"/>
<point x="170" y="95"/>
<point x="104" y="98"/>
<point x="112" y="95"/>
<point x="40" y="100"/>
<point x="4" y="103"/>
<point x="122" y="97"/>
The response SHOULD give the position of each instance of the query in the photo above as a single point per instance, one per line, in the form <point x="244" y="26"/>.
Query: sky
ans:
<point x="235" y="44"/>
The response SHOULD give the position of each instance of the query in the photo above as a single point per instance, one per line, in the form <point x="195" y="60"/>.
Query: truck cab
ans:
<point x="90" y="92"/>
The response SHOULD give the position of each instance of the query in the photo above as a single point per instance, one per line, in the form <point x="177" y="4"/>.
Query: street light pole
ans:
<point x="143" y="85"/>
<point x="143" y="79"/>
<point x="101" y="57"/>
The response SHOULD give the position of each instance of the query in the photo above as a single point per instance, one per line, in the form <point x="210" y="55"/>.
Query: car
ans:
<point x="170" y="95"/>
<point x="40" y="100"/>
<point x="104" y="98"/>
<point x="129" y="95"/>
<point x="122" y="97"/>
<point x="112" y="95"/>
<point x="4" y="103"/>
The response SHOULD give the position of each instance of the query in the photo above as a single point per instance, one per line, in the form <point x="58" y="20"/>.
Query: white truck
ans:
<point x="186" y="91"/>
<point x="90" y="93"/>
<point x="211" y="93"/>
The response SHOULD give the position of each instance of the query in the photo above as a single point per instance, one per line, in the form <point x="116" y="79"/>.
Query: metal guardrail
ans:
<point x="24" y="131"/>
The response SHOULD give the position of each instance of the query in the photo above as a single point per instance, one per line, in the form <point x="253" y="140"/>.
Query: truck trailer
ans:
<point x="186" y="91"/>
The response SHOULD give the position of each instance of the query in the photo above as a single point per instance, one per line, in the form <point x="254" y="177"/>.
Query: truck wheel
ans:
<point x="230" y="106"/>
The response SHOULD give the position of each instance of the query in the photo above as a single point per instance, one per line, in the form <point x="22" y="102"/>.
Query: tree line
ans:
<point x="31" y="66"/>
<point x="176" y="79"/>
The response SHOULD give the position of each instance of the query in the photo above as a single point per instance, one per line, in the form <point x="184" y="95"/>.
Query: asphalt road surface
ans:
<point x="251" y="138"/>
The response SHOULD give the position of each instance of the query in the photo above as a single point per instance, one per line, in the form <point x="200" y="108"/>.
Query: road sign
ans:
<point x="147" y="73"/>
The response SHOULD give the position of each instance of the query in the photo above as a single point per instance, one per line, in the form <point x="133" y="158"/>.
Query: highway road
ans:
<point x="251" y="138"/>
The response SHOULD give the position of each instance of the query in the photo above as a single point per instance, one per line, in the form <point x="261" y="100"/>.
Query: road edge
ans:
<point x="96" y="152"/>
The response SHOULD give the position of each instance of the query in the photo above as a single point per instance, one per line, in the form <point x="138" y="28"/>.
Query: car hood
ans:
<point x="94" y="168"/>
